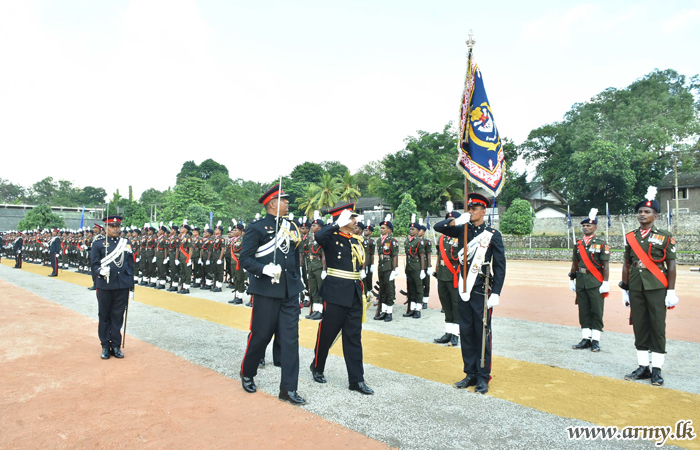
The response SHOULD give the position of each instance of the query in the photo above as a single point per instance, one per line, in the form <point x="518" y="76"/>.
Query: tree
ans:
<point x="153" y="197"/>
<point x="189" y="169"/>
<point x="326" y="196"/>
<point x="334" y="168"/>
<point x="43" y="191"/>
<point x="41" y="217"/>
<point x="135" y="214"/>
<point x="306" y="203"/>
<point x="92" y="196"/>
<point x="647" y="118"/>
<point x="10" y="192"/>
<point x="403" y="215"/>
<point x="209" y="168"/>
<point x="192" y="190"/>
<point x="518" y="219"/>
<point x="347" y="189"/>
<point x="308" y="172"/>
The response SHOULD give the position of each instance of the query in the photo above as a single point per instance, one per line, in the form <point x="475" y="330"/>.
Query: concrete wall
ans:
<point x="692" y="202"/>
<point x="688" y="224"/>
<point x="9" y="218"/>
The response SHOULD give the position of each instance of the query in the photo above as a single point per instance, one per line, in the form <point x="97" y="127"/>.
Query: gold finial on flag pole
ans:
<point x="470" y="40"/>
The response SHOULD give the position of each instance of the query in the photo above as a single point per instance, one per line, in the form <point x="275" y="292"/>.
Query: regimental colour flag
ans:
<point x="480" y="150"/>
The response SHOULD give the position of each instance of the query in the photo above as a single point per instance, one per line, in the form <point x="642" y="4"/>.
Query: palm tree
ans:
<point x="326" y="195"/>
<point x="306" y="203"/>
<point x="347" y="189"/>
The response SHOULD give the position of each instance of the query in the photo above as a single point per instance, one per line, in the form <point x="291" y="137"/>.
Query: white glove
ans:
<point x="104" y="271"/>
<point x="572" y="285"/>
<point x="604" y="288"/>
<point x="190" y="263"/>
<point x="19" y="252"/>
<point x="393" y="275"/>
<point x="138" y="259"/>
<point x="208" y="262"/>
<point x="218" y="261"/>
<point x="165" y="261"/>
<point x="422" y="274"/>
<point x="626" y="298"/>
<point x="271" y="269"/>
<point x="131" y="295"/>
<point x="199" y="261"/>
<point x="154" y="259"/>
<point x="344" y="218"/>
<point x="671" y="298"/>
<point x="324" y="273"/>
<point x="371" y="268"/>
<point x="177" y="262"/>
<point x="429" y="271"/>
<point x="493" y="300"/>
<point x="464" y="218"/>
<point x="363" y="274"/>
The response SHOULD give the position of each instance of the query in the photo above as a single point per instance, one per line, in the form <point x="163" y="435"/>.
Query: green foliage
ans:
<point x="515" y="186"/>
<point x="518" y="219"/>
<point x="308" y="172"/>
<point x="646" y="120"/>
<point x="41" y="217"/>
<point x="403" y="214"/>
<point x="11" y="193"/>
<point x="326" y="196"/>
<point x="135" y="214"/>
<point x="44" y="191"/>
<point x="334" y="168"/>
<point x="347" y="189"/>
<point x="153" y="197"/>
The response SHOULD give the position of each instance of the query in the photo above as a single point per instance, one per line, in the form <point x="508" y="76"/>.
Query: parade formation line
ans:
<point x="561" y="392"/>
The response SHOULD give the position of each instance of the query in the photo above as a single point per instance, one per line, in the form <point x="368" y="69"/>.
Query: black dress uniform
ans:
<point x="343" y="298"/>
<point x="112" y="288"/>
<point x="54" y="251"/>
<point x="471" y="312"/>
<point x="275" y="305"/>
<point x="17" y="250"/>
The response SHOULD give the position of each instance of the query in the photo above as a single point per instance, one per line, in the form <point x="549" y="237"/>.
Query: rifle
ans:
<point x="486" y="274"/>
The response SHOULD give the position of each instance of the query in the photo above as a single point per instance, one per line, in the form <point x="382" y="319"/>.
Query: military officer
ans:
<point x="17" y="250"/>
<point x="54" y="251"/>
<point x="344" y="297"/>
<point x="648" y="284"/>
<point x="589" y="281"/>
<point x="238" y="275"/>
<point x="142" y="256"/>
<point x="228" y="273"/>
<point x="112" y="261"/>
<point x="162" y="255"/>
<point x="447" y="274"/>
<point x="304" y="230"/>
<point x="136" y="248"/>
<point x="185" y="250"/>
<point x="276" y="288"/>
<point x="316" y="266"/>
<point x="207" y="252"/>
<point x="173" y="257"/>
<point x="218" y="251"/>
<point x="388" y="270"/>
<point x="415" y="270"/>
<point x="428" y="262"/>
<point x="197" y="242"/>
<point x="485" y="250"/>
<point x="370" y="249"/>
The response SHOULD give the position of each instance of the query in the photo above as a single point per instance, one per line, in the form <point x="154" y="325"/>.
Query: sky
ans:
<point x="117" y="93"/>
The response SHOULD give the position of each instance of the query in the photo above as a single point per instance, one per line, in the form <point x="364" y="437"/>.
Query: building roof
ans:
<point x="552" y="207"/>
<point x="686" y="179"/>
<point x="539" y="187"/>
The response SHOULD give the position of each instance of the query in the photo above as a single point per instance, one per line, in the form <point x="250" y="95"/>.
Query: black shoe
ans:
<point x="306" y="303"/>
<point x="318" y="376"/>
<point x="416" y="314"/>
<point x="233" y="300"/>
<point x="105" y="353"/>
<point x="248" y="384"/>
<point x="172" y="289"/>
<point x="184" y="291"/>
<point x="425" y="306"/>
<point x="92" y="288"/>
<point x="361" y="387"/>
<point x="454" y="341"/>
<point x="206" y="287"/>
<point x="237" y="301"/>
<point x="276" y="363"/>
<point x="117" y="352"/>
<point x="143" y="283"/>
<point x="585" y="343"/>
<point x="160" y="286"/>
<point x="52" y="275"/>
<point x="466" y="382"/>
<point x="444" y="339"/>
<point x="482" y="387"/>
<point x="291" y="397"/>
<point x="262" y="363"/>
<point x="381" y="316"/>
<point x="595" y="346"/>
<point x="388" y="318"/>
<point x="249" y="304"/>
<point x="196" y="285"/>
<point x="316" y="316"/>
<point x="152" y="285"/>
<point x="642" y="373"/>
<point x="216" y="289"/>
<point x="409" y="314"/>
<point x="656" y="379"/>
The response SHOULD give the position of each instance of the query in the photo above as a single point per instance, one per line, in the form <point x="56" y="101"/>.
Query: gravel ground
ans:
<point x="407" y="412"/>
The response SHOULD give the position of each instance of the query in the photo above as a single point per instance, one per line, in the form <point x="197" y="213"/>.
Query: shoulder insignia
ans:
<point x="673" y="240"/>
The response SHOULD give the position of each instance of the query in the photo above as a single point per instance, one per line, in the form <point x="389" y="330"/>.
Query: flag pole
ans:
<point x="568" y="218"/>
<point x="470" y="44"/>
<point x="607" y="215"/>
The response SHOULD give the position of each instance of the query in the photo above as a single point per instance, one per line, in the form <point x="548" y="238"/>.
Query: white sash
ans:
<point x="282" y="241"/>
<point x="121" y="247"/>
<point x="476" y="253"/>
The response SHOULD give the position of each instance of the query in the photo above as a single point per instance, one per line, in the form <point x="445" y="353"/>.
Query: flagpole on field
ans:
<point x="470" y="44"/>
<point x="668" y="214"/>
<point x="568" y="236"/>
<point x="607" y="220"/>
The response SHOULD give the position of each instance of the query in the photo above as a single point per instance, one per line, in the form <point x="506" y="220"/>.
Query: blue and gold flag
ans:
<point x="480" y="150"/>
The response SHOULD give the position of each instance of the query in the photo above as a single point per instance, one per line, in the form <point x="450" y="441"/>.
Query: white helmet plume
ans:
<point x="651" y="193"/>
<point x="387" y="218"/>
<point x="233" y="221"/>
<point x="257" y="216"/>
<point x="184" y="222"/>
<point x="449" y="206"/>
<point x="593" y="213"/>
<point x="420" y="221"/>
<point x="218" y="224"/>
<point x="291" y="216"/>
<point x="413" y="218"/>
<point x="317" y="214"/>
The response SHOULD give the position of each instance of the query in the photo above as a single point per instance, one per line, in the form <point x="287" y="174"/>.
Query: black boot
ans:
<point x="444" y="339"/>
<point x="656" y="379"/>
<point x="409" y="314"/>
<point x="416" y="314"/>
<point x="468" y="381"/>
<point x="381" y="316"/>
<point x="642" y="373"/>
<point x="105" y="353"/>
<point x="184" y="291"/>
<point x="595" y="346"/>
<point x="117" y="352"/>
<point x="216" y="289"/>
<point x="172" y="289"/>
<point x="585" y="343"/>
<point x="454" y="341"/>
<point x="388" y="317"/>
<point x="196" y="285"/>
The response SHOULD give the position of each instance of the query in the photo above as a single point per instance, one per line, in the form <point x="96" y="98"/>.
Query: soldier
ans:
<point x="589" y="281"/>
<point x="17" y="250"/>
<point x="388" y="270"/>
<point x="97" y="236"/>
<point x="197" y="242"/>
<point x="113" y="263"/>
<point x="218" y="250"/>
<point x="162" y="256"/>
<point x="486" y="250"/>
<point x="428" y="263"/>
<point x="344" y="297"/>
<point x="370" y="247"/>
<point x="415" y="270"/>
<point x="447" y="275"/>
<point x="54" y="250"/>
<point x="316" y="266"/>
<point x="207" y="249"/>
<point x="304" y="230"/>
<point x="276" y="288"/>
<point x="143" y="250"/>
<point x="228" y="273"/>
<point x="185" y="250"/>
<point x="173" y="257"/>
<point x="648" y="287"/>
<point x="2" y="245"/>
<point x="136" y="247"/>
<point x="238" y="275"/>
